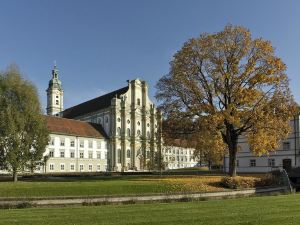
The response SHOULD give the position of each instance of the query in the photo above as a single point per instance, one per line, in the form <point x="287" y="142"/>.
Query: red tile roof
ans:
<point x="78" y="128"/>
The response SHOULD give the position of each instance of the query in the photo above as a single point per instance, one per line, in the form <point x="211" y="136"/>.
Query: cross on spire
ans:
<point x="55" y="71"/>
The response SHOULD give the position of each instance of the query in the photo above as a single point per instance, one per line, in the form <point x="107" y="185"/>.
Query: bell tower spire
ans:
<point x="55" y="94"/>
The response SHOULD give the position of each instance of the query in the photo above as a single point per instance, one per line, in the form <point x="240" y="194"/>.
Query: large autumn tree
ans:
<point x="23" y="131"/>
<point x="228" y="84"/>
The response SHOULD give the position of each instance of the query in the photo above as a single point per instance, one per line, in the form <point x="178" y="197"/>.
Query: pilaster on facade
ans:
<point x="123" y="134"/>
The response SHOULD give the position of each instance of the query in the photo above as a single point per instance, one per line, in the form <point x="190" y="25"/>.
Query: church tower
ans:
<point x="55" y="95"/>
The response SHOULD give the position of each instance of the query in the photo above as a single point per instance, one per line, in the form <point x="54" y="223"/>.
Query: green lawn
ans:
<point x="275" y="210"/>
<point x="108" y="186"/>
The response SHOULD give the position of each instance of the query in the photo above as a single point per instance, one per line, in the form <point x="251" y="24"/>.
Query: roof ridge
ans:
<point x="58" y="117"/>
<point x="97" y="98"/>
<point x="74" y="127"/>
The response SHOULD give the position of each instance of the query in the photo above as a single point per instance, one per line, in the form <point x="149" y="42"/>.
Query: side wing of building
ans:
<point x="286" y="156"/>
<point x="179" y="157"/>
<point x="75" y="146"/>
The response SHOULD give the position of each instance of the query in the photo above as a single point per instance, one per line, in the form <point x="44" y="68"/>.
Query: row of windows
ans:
<point x="175" y="166"/>
<point x="252" y="163"/>
<point x="138" y="132"/>
<point x="81" y="154"/>
<point x="182" y="152"/>
<point x="72" y="143"/>
<point x="138" y="122"/>
<point x="72" y="167"/>
<point x="128" y="154"/>
<point x="182" y="158"/>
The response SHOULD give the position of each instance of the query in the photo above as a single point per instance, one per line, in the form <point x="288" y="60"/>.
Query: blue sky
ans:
<point x="98" y="45"/>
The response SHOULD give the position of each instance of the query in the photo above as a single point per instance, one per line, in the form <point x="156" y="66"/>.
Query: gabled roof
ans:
<point x="78" y="128"/>
<point x="95" y="104"/>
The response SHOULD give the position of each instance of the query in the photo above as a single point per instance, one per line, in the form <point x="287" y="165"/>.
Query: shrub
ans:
<point x="238" y="182"/>
<point x="268" y="180"/>
<point x="249" y="182"/>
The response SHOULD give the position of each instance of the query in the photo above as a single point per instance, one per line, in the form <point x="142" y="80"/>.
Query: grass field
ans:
<point x="109" y="186"/>
<point x="275" y="210"/>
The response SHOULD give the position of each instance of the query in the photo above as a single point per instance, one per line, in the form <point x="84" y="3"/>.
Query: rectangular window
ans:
<point x="81" y="143"/>
<point x="72" y="167"/>
<point x="52" y="141"/>
<point x="90" y="155"/>
<point x="252" y="162"/>
<point x="286" y="146"/>
<point x="51" y="153"/>
<point x="90" y="144"/>
<point x="98" y="144"/>
<point x="62" y="142"/>
<point x="271" y="162"/>
<point x="51" y="166"/>
<point x="72" y="154"/>
<point x="81" y="168"/>
<point x="62" y="167"/>
<point x="72" y="143"/>
<point x="90" y="167"/>
<point x="98" y="155"/>
<point x="81" y="155"/>
<point x="98" y="167"/>
<point x="62" y="154"/>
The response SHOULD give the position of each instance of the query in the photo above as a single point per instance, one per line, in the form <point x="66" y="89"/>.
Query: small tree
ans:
<point x="23" y="131"/>
<point x="234" y="85"/>
<point x="44" y="163"/>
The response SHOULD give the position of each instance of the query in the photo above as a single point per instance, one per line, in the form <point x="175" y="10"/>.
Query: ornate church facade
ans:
<point x="130" y="121"/>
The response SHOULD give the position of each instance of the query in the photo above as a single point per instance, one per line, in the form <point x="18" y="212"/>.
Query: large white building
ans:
<point x="75" y="146"/>
<point x="178" y="157"/>
<point x="118" y="131"/>
<point x="286" y="156"/>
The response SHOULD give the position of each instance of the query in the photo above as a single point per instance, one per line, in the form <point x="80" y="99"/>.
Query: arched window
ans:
<point x="138" y="132"/>
<point x="57" y="102"/>
<point x="106" y="119"/>
<point x="119" y="131"/>
<point x="128" y="153"/>
<point x="138" y="101"/>
<point x="128" y="132"/>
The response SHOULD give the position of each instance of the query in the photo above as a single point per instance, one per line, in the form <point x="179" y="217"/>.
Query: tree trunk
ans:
<point x="231" y="139"/>
<point x="232" y="159"/>
<point x="15" y="176"/>
<point x="232" y="163"/>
